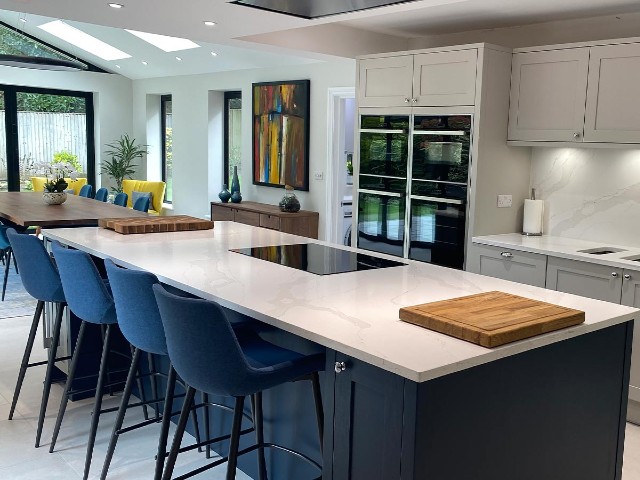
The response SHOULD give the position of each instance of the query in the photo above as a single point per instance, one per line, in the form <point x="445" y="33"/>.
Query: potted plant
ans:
<point x="55" y="186"/>
<point x="123" y="152"/>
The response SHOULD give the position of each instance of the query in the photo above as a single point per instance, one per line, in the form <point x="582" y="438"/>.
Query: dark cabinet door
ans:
<point x="367" y="439"/>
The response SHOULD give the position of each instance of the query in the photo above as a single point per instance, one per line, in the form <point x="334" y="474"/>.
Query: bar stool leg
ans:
<point x="6" y="273"/>
<point x="53" y="352"/>
<point x="98" y="401"/>
<point x="145" y="410"/>
<point x="258" y="419"/>
<point x="154" y="384"/>
<point x="177" y="438"/>
<point x="166" y="420"/>
<point x="207" y="432"/>
<point x="194" y="420"/>
<point x="25" y="357"/>
<point x="67" y="386"/>
<point x="234" y="442"/>
<point x="121" y="412"/>
<point x="317" y="396"/>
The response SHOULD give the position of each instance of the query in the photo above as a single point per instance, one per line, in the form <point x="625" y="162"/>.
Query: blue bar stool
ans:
<point x="86" y="191"/>
<point x="140" y="323"/>
<point x="6" y="254"/>
<point x="42" y="281"/>
<point x="89" y="299"/>
<point x="214" y="358"/>
<point x="142" y="204"/>
<point x="121" y="199"/>
<point x="102" y="195"/>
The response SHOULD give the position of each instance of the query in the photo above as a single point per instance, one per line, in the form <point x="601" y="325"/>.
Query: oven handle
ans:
<point x="437" y="199"/>
<point x="375" y="130"/>
<point x="451" y="133"/>
<point x="383" y="194"/>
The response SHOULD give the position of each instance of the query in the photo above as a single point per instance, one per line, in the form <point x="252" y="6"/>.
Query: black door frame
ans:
<point x="225" y="162"/>
<point x="11" y="127"/>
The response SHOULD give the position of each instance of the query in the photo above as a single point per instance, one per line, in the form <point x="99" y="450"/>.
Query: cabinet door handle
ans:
<point x="406" y="100"/>
<point x="340" y="367"/>
<point x="614" y="274"/>
<point x="414" y="100"/>
<point x="627" y="276"/>
<point x="507" y="254"/>
<point x="576" y="135"/>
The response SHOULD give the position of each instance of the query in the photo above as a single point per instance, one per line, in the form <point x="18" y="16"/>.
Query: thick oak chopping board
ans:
<point x="491" y="319"/>
<point x="151" y="224"/>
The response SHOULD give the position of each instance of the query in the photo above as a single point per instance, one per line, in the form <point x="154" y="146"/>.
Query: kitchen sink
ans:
<point x="602" y="250"/>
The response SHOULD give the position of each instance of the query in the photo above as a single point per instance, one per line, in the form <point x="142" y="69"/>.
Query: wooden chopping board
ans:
<point x="491" y="319"/>
<point x="176" y="223"/>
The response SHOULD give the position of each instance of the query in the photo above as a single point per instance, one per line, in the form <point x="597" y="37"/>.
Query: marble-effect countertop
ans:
<point x="562" y="247"/>
<point x="355" y="313"/>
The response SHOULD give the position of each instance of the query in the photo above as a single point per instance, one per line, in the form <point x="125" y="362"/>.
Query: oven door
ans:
<point x="437" y="230"/>
<point x="381" y="221"/>
<point x="384" y="145"/>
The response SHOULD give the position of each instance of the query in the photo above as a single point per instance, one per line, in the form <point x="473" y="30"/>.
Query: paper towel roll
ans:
<point x="532" y="221"/>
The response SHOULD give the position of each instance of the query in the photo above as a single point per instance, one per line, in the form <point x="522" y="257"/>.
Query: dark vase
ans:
<point x="289" y="202"/>
<point x="235" y="182"/>
<point x="236" y="197"/>
<point x="225" y="194"/>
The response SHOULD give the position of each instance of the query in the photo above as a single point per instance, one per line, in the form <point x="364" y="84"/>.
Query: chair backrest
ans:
<point x="156" y="188"/>
<point x="86" y="191"/>
<point x="37" y="271"/>
<point x="4" y="240"/>
<point x="102" y="194"/>
<point x="86" y="292"/>
<point x="136" y="307"/>
<point x="38" y="184"/>
<point x="142" y="204"/>
<point x="121" y="199"/>
<point x="202" y="345"/>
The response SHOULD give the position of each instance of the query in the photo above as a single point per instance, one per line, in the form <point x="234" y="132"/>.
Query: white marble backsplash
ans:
<point x="590" y="194"/>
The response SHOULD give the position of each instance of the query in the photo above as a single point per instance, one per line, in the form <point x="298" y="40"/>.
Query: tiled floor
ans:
<point x="133" y="458"/>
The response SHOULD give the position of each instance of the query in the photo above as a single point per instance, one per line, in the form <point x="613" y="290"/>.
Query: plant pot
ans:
<point x="54" y="198"/>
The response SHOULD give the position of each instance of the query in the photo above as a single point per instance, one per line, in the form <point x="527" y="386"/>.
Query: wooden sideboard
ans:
<point x="302" y="223"/>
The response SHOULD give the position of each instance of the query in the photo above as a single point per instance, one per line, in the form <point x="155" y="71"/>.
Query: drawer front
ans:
<point x="585" y="279"/>
<point x="221" y="214"/>
<point x="249" y="218"/>
<point x="269" y="221"/>
<point x="508" y="264"/>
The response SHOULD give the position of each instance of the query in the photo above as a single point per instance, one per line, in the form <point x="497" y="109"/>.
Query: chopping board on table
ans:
<point x="174" y="223"/>
<point x="493" y="318"/>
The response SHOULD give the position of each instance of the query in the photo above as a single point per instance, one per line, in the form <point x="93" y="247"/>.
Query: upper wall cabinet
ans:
<point x="425" y="80"/>
<point x="613" y="102"/>
<point x="548" y="91"/>
<point x="586" y="94"/>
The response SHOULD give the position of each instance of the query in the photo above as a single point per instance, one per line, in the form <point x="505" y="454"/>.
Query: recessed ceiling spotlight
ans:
<point x="179" y="59"/>
<point x="115" y="5"/>
<point x="209" y="23"/>
<point x="214" y="54"/>
<point x="144" y="63"/>
<point x="23" y="20"/>
<point x="117" y="66"/>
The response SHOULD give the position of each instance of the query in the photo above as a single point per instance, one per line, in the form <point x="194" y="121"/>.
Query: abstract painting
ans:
<point x="281" y="134"/>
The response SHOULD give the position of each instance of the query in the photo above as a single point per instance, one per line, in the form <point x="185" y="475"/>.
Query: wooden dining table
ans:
<point x="28" y="209"/>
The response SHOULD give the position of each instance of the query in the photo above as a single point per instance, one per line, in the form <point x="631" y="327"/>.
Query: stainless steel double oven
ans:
<point x="413" y="184"/>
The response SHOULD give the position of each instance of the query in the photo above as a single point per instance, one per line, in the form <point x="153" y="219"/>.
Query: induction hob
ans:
<point x="317" y="259"/>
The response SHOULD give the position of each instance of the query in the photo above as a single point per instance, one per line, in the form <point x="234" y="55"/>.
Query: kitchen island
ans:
<point x="401" y="401"/>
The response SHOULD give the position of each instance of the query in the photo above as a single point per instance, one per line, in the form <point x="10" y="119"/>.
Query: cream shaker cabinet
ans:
<point x="586" y="279"/>
<point x="613" y="103"/>
<point x="631" y="298"/>
<point x="548" y="92"/>
<point x="508" y="264"/>
<point x="429" y="79"/>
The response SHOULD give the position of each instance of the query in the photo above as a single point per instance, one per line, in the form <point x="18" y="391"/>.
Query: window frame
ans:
<point x="231" y="95"/>
<point x="163" y="140"/>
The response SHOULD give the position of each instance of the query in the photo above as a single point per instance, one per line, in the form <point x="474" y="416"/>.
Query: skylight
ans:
<point x="163" y="42"/>
<point x="83" y="40"/>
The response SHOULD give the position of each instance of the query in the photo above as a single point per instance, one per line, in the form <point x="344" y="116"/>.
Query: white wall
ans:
<point x="591" y="194"/>
<point x="112" y="99"/>
<point x="196" y="145"/>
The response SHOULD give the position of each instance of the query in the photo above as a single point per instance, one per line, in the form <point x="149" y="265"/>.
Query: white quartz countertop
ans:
<point x="565" y="248"/>
<point x="354" y="313"/>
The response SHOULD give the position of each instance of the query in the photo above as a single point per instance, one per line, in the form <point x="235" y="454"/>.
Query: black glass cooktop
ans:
<point x="318" y="259"/>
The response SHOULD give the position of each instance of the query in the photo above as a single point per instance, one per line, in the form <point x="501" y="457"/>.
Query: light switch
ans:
<point x="318" y="175"/>
<point x="505" y="201"/>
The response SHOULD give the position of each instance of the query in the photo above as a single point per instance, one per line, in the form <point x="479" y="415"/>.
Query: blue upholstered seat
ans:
<point x="86" y="191"/>
<point x="142" y="204"/>
<point x="121" y="199"/>
<point x="41" y="280"/>
<point x="6" y="255"/>
<point x="102" y="194"/>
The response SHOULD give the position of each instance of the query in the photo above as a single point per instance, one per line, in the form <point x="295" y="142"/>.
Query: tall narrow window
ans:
<point x="167" y="145"/>
<point x="43" y="126"/>
<point x="232" y="133"/>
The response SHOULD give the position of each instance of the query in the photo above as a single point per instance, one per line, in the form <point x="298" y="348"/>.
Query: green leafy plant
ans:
<point x="69" y="158"/>
<point x="123" y="152"/>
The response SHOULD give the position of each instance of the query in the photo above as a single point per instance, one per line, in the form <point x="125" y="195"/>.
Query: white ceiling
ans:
<point x="185" y="19"/>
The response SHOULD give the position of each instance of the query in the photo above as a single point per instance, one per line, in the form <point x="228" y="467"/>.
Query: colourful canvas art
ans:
<point x="281" y="134"/>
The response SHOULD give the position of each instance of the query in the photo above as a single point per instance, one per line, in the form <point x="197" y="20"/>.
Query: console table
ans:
<point x="304" y="223"/>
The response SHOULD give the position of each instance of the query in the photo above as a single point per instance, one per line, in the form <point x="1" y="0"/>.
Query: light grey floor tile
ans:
<point x="631" y="464"/>
<point x="50" y="467"/>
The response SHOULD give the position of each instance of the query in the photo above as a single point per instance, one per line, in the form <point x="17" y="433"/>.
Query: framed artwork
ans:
<point x="281" y="134"/>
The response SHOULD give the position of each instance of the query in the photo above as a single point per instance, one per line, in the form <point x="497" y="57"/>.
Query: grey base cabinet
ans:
<point x="586" y="279"/>
<point x="518" y="417"/>
<point x="508" y="264"/>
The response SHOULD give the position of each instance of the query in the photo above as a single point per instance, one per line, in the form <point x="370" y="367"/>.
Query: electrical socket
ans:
<point x="505" y="201"/>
